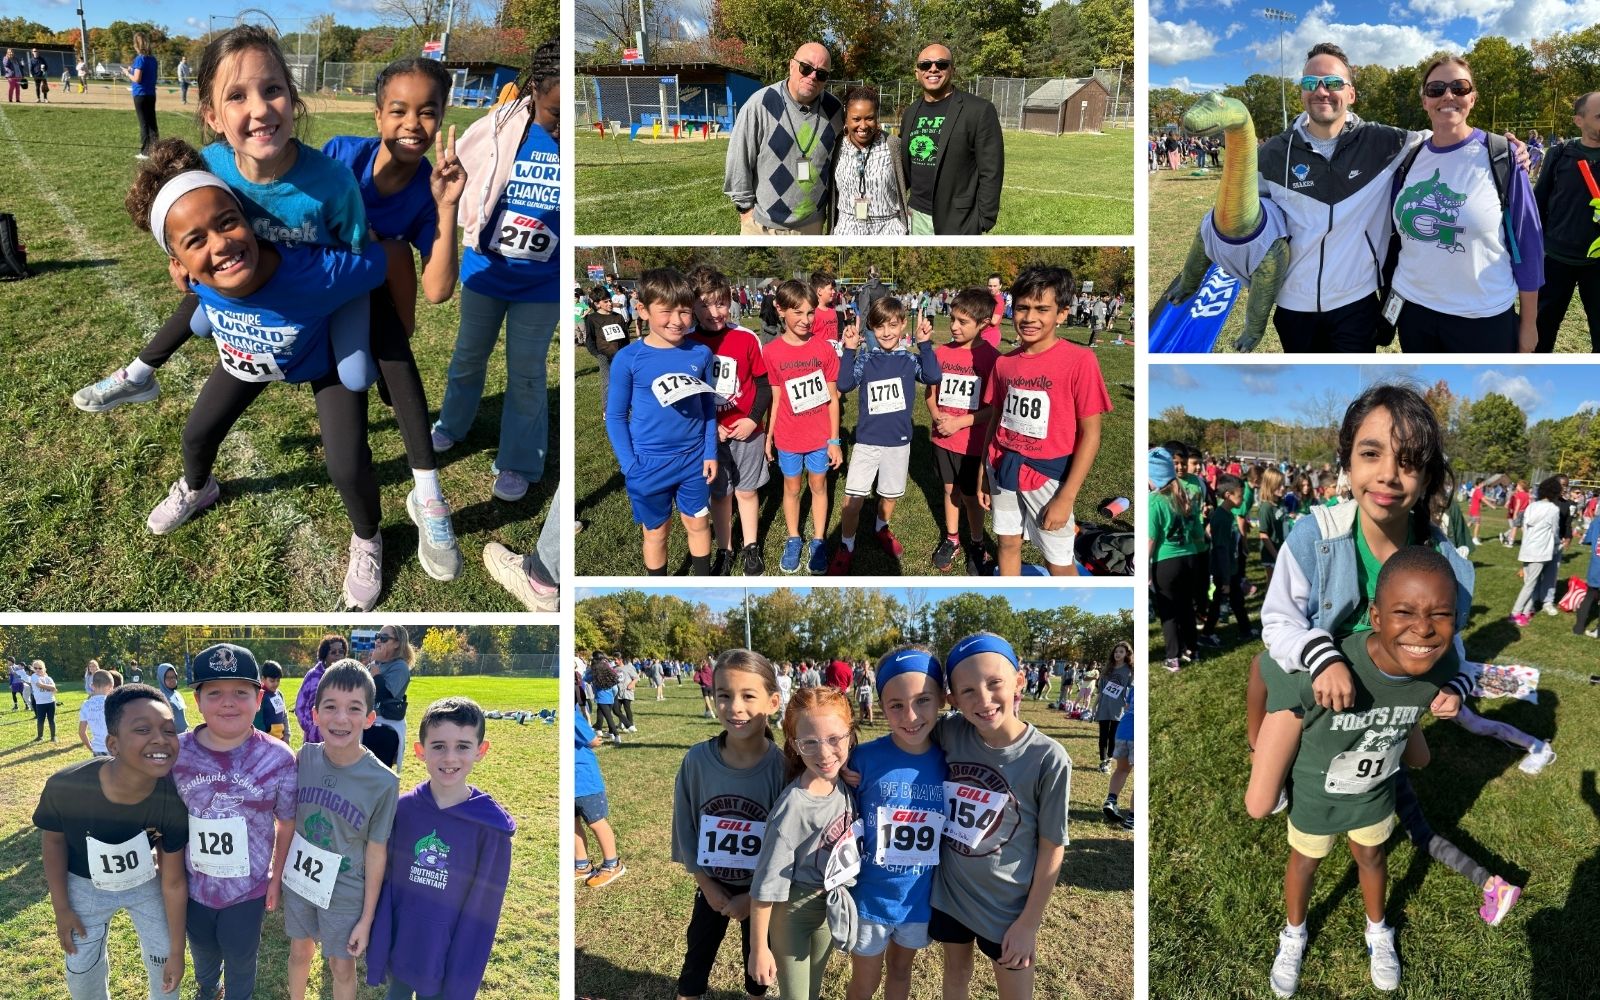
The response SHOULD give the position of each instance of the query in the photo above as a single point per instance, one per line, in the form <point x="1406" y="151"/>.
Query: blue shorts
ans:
<point x="791" y="462"/>
<point x="592" y="808"/>
<point x="655" y="482"/>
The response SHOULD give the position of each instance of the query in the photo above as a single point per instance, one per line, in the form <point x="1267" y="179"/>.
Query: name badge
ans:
<point x="804" y="171"/>
<point x="861" y="209"/>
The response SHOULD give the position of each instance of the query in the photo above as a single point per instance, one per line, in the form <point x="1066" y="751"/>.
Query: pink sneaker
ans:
<point x="1522" y="620"/>
<point x="1499" y="896"/>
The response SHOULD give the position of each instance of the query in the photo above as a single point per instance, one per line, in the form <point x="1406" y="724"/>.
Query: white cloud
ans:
<point x="1516" y="388"/>
<point x="1172" y="43"/>
<point x="1588" y="404"/>
<point x="1233" y="29"/>
<point x="1177" y="376"/>
<point x="196" y="23"/>
<point x="1391" y="45"/>
<point x="1189" y="86"/>
<point x="1260" y="385"/>
<point x="1157" y="8"/>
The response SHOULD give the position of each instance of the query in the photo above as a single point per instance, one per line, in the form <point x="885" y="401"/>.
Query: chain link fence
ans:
<point x="621" y="102"/>
<point x="350" y="78"/>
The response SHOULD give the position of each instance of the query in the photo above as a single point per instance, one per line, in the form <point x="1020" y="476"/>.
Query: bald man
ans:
<point x="955" y="160"/>
<point x="1570" y="229"/>
<point x="781" y="150"/>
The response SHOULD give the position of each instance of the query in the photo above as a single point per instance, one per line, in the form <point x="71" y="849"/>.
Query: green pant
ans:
<point x="800" y="942"/>
<point x="921" y="225"/>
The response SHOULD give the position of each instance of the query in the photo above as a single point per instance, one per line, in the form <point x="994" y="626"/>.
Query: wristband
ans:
<point x="835" y="441"/>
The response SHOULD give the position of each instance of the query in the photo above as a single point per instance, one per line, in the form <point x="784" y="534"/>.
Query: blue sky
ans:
<point x="192" y="18"/>
<point x="1281" y="392"/>
<point x="1200" y="45"/>
<point x="1096" y="600"/>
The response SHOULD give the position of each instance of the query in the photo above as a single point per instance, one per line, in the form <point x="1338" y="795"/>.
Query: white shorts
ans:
<point x="873" y="939"/>
<point x="887" y="465"/>
<point x="1018" y="513"/>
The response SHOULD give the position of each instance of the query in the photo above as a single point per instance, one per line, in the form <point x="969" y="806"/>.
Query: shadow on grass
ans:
<point x="24" y="885"/>
<point x="600" y="978"/>
<point x="43" y="267"/>
<point x="1559" y="939"/>
<point x="1098" y="864"/>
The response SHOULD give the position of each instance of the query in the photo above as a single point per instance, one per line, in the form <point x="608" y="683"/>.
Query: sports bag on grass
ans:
<point x="13" y="255"/>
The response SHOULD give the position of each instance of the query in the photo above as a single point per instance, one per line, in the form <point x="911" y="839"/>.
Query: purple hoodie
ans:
<point x="446" y="880"/>
<point x="306" y="700"/>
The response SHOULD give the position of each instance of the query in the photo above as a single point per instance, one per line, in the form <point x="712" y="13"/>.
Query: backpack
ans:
<point x="1105" y="552"/>
<point x="1577" y="587"/>
<point x="13" y="255"/>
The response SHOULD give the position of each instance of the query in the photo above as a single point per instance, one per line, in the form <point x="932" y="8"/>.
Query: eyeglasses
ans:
<point x="927" y="64"/>
<point x="811" y="747"/>
<point x="806" y="69"/>
<point x="1437" y="88"/>
<point x="1333" y="83"/>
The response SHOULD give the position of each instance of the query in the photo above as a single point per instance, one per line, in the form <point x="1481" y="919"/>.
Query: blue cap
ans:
<point x="910" y="661"/>
<point x="979" y="642"/>
<point x="1162" y="471"/>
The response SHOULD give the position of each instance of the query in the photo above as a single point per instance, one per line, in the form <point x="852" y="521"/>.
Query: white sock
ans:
<point x="882" y="524"/>
<point x="848" y="543"/>
<point x="1298" y="930"/>
<point x="1377" y="928"/>
<point x="138" y="371"/>
<point x="427" y="481"/>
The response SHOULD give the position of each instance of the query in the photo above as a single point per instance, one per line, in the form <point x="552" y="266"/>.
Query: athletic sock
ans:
<point x="427" y="482"/>
<point x="700" y="565"/>
<point x="848" y="543"/>
<point x="882" y="524"/>
<point x="138" y="371"/>
<point x="657" y="571"/>
<point x="1298" y="930"/>
<point x="1111" y="800"/>
<point x="611" y="863"/>
<point x="952" y="537"/>
<point x="1377" y="928"/>
<point x="583" y="865"/>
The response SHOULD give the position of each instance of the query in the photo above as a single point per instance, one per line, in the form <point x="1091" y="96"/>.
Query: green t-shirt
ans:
<point x="1343" y="773"/>
<point x="1270" y="520"/>
<point x="1174" y="534"/>
<point x="1367" y="567"/>
<point x="1196" y="488"/>
<point x="1225" y="539"/>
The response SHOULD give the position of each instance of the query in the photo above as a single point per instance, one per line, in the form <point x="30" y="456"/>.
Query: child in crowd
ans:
<point x="881" y="456"/>
<point x="272" y="717"/>
<point x="604" y="334"/>
<point x="1223" y="566"/>
<point x="1115" y="681"/>
<point x="167" y="680"/>
<point x="805" y="423"/>
<point x="1270" y="519"/>
<point x="591" y="808"/>
<point x="661" y="419"/>
<point x="92" y="715"/>
<point x="1591" y="538"/>
<point x="1172" y="544"/>
<point x="450" y="858"/>
<point x="961" y="418"/>
<point x="1122" y="753"/>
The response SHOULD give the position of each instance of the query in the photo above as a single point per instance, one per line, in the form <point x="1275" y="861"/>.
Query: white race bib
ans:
<point x="220" y="847"/>
<point x="908" y="837"/>
<point x="670" y="389"/>
<point x="1357" y="771"/>
<point x="523" y="237"/>
<point x="1113" y="691"/>
<point x="730" y="842"/>
<point x="311" y="872"/>
<point x="806" y="392"/>
<point x="959" y="392"/>
<point x="725" y="376"/>
<point x="119" y="867"/>
<point x="885" y="396"/>
<point x="971" y="812"/>
<point x="844" y="861"/>
<point x="613" y="332"/>
<point x="1026" y="412"/>
<point x="247" y="366"/>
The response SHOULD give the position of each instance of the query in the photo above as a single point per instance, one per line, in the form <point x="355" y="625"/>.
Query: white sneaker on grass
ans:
<point x="1539" y="757"/>
<point x="1384" y="960"/>
<point x="363" y="579"/>
<point x="508" y="570"/>
<point x="181" y="504"/>
<point x="114" y="390"/>
<point x="1286" y="966"/>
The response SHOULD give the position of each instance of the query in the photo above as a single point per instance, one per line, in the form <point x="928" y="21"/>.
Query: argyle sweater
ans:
<point x="764" y="155"/>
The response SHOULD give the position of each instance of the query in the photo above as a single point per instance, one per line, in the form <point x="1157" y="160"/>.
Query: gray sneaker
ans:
<point x="508" y="570"/>
<point x="436" y="539"/>
<point x="363" y="580"/>
<point x="181" y="504"/>
<point x="114" y="390"/>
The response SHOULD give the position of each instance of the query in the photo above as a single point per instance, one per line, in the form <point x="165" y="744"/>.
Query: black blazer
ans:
<point x="972" y="165"/>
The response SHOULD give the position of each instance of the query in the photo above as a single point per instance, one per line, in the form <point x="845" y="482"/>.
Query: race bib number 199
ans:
<point x="1026" y="412"/>
<point x="806" y="392"/>
<point x="524" y="237"/>
<point x="908" y="837"/>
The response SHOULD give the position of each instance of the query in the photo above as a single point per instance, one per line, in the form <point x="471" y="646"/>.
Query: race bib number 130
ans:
<point x="523" y="237"/>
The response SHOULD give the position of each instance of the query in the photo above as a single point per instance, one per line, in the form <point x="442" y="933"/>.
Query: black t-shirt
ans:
<point x="925" y="141"/>
<point x="72" y="804"/>
<point x="1569" y="225"/>
<point x="383" y="742"/>
<point x="604" y="333"/>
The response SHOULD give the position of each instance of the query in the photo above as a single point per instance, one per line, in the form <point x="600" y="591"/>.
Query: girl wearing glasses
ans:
<point x="391" y="672"/>
<point x="868" y="176"/>
<point x="1471" y="247"/>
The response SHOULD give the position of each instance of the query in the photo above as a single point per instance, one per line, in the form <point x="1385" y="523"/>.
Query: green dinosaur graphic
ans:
<point x="1428" y="214"/>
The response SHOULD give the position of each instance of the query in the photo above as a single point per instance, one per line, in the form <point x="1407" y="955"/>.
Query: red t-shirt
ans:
<point x="825" y="323"/>
<point x="965" y="375"/>
<point x="802" y="378"/>
<point x="735" y="367"/>
<point x="839" y="675"/>
<point x="1475" y="502"/>
<point x="1518" y="504"/>
<point x="991" y="333"/>
<point x="1040" y="398"/>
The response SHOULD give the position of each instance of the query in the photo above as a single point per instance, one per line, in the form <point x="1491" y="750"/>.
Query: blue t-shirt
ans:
<point x="892" y="779"/>
<point x="316" y="202"/>
<point x="888" y="391"/>
<point x="516" y="258"/>
<point x="281" y="330"/>
<point x="409" y="214"/>
<point x="1125" y="724"/>
<point x="145" y="67"/>
<point x="586" y="778"/>
<point x="605" y="696"/>
<point x="659" y="404"/>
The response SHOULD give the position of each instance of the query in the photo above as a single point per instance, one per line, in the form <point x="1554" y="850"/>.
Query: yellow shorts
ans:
<point x="1318" y="845"/>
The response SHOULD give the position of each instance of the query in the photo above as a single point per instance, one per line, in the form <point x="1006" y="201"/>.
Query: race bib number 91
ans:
<point x="806" y="392"/>
<point x="1357" y="771"/>
<point x="1026" y="412"/>
<point x="730" y="842"/>
<point x="523" y="237"/>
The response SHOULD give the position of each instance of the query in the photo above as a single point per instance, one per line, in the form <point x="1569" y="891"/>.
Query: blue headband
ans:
<point x="979" y="642"/>
<point x="910" y="661"/>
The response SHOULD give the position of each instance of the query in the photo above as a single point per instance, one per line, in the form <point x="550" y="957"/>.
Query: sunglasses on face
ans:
<point x="928" y="64"/>
<point x="380" y="637"/>
<point x="806" y="69"/>
<point x="1437" y="88"/>
<point x="1333" y="83"/>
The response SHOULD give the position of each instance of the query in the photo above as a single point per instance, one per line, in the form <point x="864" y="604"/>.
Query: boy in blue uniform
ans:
<point x="661" y="417"/>
<point x="591" y="807"/>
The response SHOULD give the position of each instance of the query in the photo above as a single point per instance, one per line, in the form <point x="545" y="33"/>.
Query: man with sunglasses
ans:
<point x="781" y="150"/>
<point x="955" y="159"/>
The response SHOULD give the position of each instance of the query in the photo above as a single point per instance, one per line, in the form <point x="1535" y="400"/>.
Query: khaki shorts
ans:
<point x="1318" y="845"/>
<point x="1021" y="513"/>
<point x="748" y="226"/>
<point x="886" y="465"/>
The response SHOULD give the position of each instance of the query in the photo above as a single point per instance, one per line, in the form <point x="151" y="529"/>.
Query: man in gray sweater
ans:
<point x="780" y="153"/>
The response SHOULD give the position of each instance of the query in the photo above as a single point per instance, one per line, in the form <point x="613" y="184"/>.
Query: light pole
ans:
<point x="1281" y="17"/>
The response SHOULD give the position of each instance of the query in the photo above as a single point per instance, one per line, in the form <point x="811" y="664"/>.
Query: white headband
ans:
<point x="175" y="188"/>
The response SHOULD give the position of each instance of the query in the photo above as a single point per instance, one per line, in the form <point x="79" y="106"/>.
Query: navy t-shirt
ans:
<point x="409" y="214"/>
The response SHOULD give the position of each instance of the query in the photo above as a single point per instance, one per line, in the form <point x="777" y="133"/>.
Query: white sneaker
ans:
<point x="1550" y="609"/>
<point x="1286" y="967"/>
<point x="363" y="579"/>
<point x="1538" y="758"/>
<point x="633" y="729"/>
<point x="1283" y="801"/>
<point x="1385" y="961"/>
<point x="508" y="570"/>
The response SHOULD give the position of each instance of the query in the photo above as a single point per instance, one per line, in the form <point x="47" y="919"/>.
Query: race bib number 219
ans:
<point x="523" y="237"/>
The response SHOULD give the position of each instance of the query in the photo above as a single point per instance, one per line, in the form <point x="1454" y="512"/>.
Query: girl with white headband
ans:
<point x="267" y="309"/>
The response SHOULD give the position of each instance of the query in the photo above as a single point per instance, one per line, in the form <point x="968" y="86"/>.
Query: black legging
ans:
<point x="1174" y="599"/>
<point x="1108" y="737"/>
<point x="174" y="333"/>
<point x="625" y="711"/>
<point x="342" y="415"/>
<point x="1581" y="621"/>
<point x="145" y="108"/>
<point x="40" y="714"/>
<point x="608" y="718"/>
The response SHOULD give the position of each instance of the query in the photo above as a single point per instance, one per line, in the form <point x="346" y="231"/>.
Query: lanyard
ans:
<point x="805" y="151"/>
<point x="861" y="169"/>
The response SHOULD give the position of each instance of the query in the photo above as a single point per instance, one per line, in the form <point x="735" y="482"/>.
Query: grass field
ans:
<point x="630" y="936"/>
<point x="610" y="542"/>
<point x="1216" y="877"/>
<point x="78" y="486"/>
<point x="1178" y="201"/>
<point x="1073" y="184"/>
<point x="519" y="771"/>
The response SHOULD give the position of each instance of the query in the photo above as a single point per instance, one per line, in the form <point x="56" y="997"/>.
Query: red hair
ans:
<point x="807" y="701"/>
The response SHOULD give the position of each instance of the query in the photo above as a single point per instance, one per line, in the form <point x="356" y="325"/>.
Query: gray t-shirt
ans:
<point x="1113" y="693"/>
<point x="341" y="809"/>
<point x="986" y="886"/>
<point x="391" y="700"/>
<point x="627" y="675"/>
<point x="738" y="802"/>
<point x="808" y="838"/>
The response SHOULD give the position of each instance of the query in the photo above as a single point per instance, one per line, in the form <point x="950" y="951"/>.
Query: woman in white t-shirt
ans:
<point x="1467" y="262"/>
<point x="44" y="700"/>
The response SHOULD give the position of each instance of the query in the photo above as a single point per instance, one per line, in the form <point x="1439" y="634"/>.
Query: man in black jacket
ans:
<point x="1570" y="227"/>
<point x="955" y="160"/>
